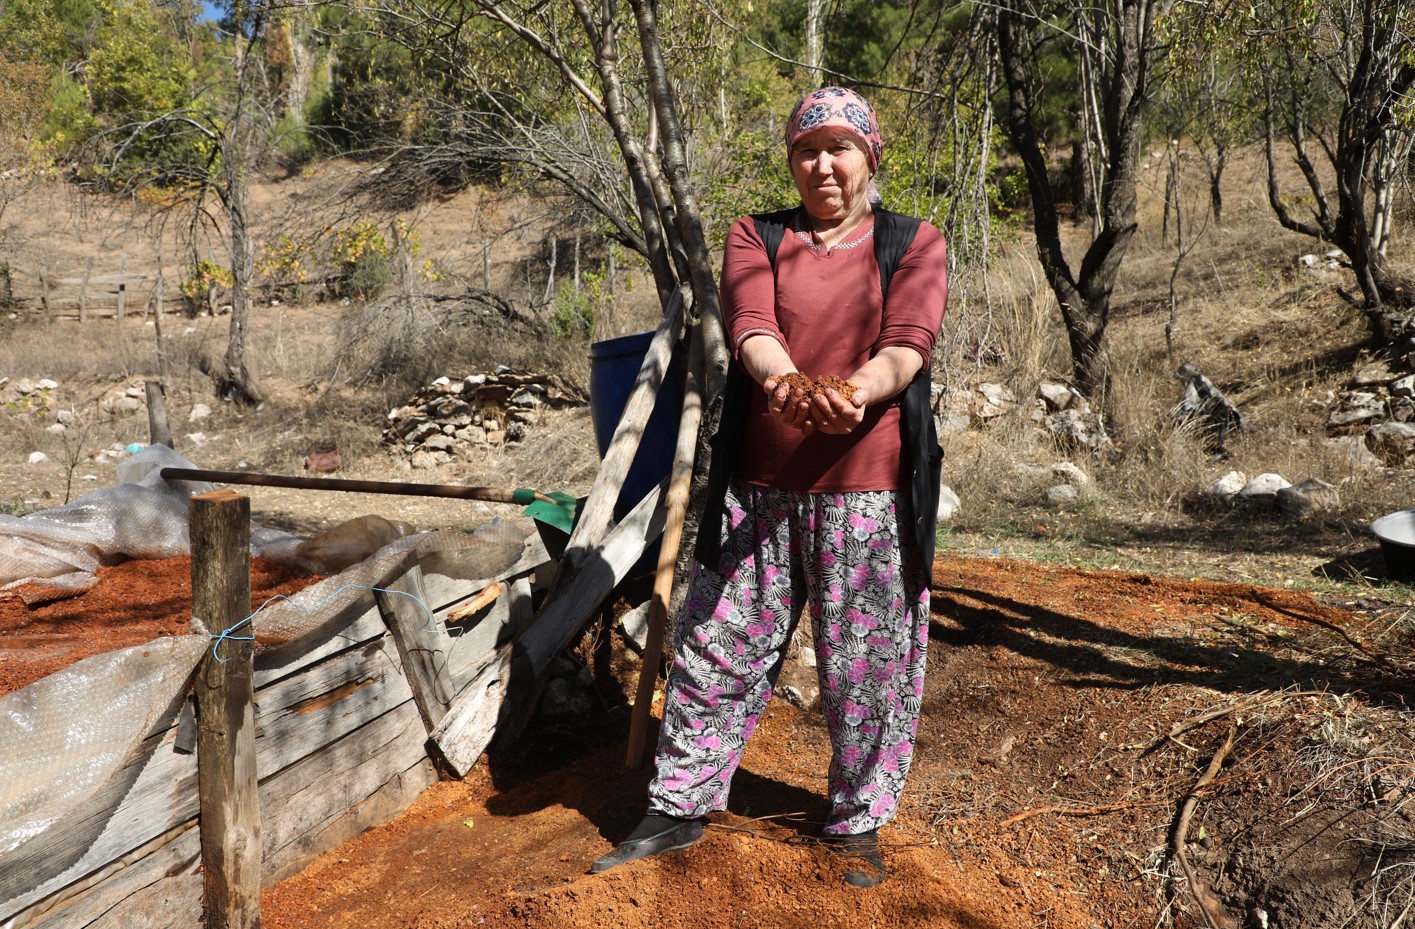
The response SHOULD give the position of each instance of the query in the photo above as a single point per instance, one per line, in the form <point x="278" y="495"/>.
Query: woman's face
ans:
<point x="832" y="174"/>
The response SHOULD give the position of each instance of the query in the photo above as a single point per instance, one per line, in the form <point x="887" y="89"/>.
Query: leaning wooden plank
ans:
<point x="475" y="715"/>
<point x="593" y="574"/>
<point x="156" y="790"/>
<point x="598" y="508"/>
<point x="421" y="642"/>
<point x="357" y="783"/>
<point x="158" y="885"/>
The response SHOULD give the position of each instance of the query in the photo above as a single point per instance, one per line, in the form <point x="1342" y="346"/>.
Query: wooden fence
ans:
<point x="88" y="295"/>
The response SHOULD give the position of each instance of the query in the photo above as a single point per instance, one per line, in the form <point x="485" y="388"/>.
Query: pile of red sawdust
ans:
<point x="1033" y="800"/>
<point x="132" y="603"/>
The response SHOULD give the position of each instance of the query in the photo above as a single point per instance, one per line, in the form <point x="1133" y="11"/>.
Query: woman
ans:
<point x="821" y="494"/>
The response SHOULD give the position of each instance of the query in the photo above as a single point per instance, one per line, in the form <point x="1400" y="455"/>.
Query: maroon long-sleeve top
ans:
<point x="827" y="310"/>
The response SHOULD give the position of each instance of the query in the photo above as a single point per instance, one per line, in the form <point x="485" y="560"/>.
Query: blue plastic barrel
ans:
<point x="614" y="367"/>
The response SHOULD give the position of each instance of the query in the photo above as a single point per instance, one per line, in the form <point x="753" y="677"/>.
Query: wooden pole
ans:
<point x="44" y="294"/>
<point x="122" y="287"/>
<point x="226" y="759"/>
<point x="83" y="293"/>
<point x="157" y="429"/>
<point x="668" y="553"/>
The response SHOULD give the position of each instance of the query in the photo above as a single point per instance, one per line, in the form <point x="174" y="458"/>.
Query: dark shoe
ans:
<point x="863" y="847"/>
<point x="654" y="836"/>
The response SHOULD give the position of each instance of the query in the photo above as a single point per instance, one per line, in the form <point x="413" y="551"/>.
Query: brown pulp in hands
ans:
<point x="797" y="381"/>
<point x="845" y="388"/>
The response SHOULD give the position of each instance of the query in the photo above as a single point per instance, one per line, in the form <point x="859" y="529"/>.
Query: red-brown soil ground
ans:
<point x="1068" y="716"/>
<point x="1098" y="749"/>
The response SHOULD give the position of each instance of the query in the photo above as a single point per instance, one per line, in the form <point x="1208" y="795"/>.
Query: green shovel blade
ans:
<point x="560" y="514"/>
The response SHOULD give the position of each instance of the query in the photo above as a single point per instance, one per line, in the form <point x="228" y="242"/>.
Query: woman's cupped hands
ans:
<point x="830" y="405"/>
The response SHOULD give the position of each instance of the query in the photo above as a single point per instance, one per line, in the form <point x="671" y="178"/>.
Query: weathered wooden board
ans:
<point x="361" y="781"/>
<point x="158" y="886"/>
<point x="359" y="629"/>
<point x="421" y="641"/>
<point x="340" y="744"/>
<point x="100" y="830"/>
<point x="157" y="790"/>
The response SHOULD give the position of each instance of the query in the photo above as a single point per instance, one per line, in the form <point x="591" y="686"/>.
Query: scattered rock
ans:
<point x="1313" y="495"/>
<point x="37" y="458"/>
<point x="1061" y="494"/>
<point x="1392" y="443"/>
<point x="635" y="627"/>
<point x="952" y="410"/>
<point x="1229" y="485"/>
<point x="450" y="417"/>
<point x="1352" y="450"/>
<point x="1264" y="486"/>
<point x="1074" y="429"/>
<point x="198" y="412"/>
<point x="793" y="696"/>
<point x="570" y="691"/>
<point x="1058" y="397"/>
<point x="1357" y="407"/>
<point x="996" y="401"/>
<point x="948" y="503"/>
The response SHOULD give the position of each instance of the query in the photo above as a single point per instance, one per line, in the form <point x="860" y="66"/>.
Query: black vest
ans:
<point x="921" y="458"/>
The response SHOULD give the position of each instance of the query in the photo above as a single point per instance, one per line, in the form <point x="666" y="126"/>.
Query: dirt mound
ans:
<point x="1070" y="717"/>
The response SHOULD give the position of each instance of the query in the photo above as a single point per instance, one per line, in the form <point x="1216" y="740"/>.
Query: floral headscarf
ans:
<point x="838" y="108"/>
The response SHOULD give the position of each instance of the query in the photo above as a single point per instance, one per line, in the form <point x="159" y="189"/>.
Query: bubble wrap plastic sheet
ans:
<point x="62" y="737"/>
<point x="143" y="516"/>
<point x="487" y="551"/>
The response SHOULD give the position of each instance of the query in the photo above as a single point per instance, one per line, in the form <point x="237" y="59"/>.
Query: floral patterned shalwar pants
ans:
<point x="869" y="598"/>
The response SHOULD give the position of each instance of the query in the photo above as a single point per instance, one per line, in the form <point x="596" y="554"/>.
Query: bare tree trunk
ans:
<point x="686" y="217"/>
<point x="234" y="382"/>
<point x="815" y="11"/>
<point x="1081" y="193"/>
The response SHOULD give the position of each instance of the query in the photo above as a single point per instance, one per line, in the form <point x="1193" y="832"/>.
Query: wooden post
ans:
<point x="409" y="619"/>
<point x="157" y="429"/>
<point x="83" y="292"/>
<point x="122" y="287"/>
<point x="226" y="759"/>
<point x="44" y="294"/>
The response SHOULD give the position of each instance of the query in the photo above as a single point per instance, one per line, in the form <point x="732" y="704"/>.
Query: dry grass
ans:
<point x="1275" y="337"/>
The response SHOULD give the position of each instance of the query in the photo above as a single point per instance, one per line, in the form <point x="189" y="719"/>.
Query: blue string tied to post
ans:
<point x="228" y="633"/>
